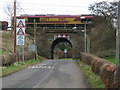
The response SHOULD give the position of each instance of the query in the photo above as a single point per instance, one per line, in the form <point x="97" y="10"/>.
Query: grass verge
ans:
<point x="66" y="59"/>
<point x="111" y="59"/>
<point x="18" y="66"/>
<point x="3" y="52"/>
<point x="93" y="79"/>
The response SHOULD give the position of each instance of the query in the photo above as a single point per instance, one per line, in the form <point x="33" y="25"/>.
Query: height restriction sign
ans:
<point x="20" y="31"/>
<point x="20" y="39"/>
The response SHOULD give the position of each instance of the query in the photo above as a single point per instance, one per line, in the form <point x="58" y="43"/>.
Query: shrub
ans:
<point x="10" y="58"/>
<point x="101" y="67"/>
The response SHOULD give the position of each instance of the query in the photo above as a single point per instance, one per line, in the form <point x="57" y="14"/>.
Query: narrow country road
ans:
<point x="48" y="74"/>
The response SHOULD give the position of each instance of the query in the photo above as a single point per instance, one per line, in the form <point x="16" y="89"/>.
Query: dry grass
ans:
<point x="7" y="42"/>
<point x="93" y="79"/>
<point x="18" y="66"/>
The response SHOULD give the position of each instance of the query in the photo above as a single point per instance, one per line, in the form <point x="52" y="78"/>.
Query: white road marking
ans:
<point x="37" y="67"/>
<point x="36" y="86"/>
<point x="43" y="64"/>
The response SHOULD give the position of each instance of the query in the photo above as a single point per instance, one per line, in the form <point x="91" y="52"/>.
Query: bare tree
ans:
<point x="107" y="10"/>
<point x="103" y="36"/>
<point x="9" y="10"/>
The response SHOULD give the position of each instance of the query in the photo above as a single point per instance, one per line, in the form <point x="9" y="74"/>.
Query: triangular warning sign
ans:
<point x="64" y="36"/>
<point x="20" y="24"/>
<point x="59" y="36"/>
<point x="20" y="32"/>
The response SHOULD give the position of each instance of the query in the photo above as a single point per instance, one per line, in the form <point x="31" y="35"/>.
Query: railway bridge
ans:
<point x="53" y="29"/>
<point x="48" y="32"/>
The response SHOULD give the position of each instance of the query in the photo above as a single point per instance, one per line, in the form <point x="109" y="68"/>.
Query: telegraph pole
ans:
<point x="15" y="28"/>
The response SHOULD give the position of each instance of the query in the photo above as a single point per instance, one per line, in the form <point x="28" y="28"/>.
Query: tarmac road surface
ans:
<point x="48" y="74"/>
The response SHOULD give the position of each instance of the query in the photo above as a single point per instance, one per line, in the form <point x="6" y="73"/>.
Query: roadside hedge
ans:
<point x="101" y="67"/>
<point x="9" y="59"/>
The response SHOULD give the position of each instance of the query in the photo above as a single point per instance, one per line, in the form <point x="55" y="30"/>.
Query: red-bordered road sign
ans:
<point x="20" y="23"/>
<point x="20" y="31"/>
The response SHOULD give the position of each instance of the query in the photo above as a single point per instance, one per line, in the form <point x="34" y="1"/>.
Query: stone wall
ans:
<point x="101" y="67"/>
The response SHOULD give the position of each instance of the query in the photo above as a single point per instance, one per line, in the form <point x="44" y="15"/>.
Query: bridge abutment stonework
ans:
<point x="46" y="40"/>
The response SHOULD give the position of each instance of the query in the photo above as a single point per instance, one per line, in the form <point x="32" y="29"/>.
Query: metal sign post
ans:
<point x="117" y="47"/>
<point x="22" y="53"/>
<point x="18" y="54"/>
<point x="35" y="39"/>
<point x="65" y="51"/>
<point x="117" y="35"/>
<point x="85" y="38"/>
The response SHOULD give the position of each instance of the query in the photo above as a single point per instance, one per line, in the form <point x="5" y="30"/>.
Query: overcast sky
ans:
<point x="71" y="7"/>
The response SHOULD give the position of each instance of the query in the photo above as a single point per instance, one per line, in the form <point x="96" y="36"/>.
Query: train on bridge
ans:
<point x="57" y="21"/>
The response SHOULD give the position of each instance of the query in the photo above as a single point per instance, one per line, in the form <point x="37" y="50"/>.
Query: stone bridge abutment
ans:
<point x="46" y="40"/>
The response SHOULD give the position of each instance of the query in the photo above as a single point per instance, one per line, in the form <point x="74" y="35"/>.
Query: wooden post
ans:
<point x="15" y="30"/>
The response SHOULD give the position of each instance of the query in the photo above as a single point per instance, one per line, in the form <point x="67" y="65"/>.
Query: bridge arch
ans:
<point x="47" y="42"/>
<point x="55" y="42"/>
